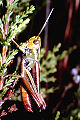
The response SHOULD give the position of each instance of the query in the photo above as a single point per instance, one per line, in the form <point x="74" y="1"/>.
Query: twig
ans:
<point x="67" y="31"/>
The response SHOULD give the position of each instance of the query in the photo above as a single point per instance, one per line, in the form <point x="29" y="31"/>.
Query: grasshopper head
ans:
<point x="34" y="42"/>
<point x="32" y="48"/>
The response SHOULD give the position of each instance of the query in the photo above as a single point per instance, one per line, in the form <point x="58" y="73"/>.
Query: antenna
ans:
<point x="45" y="22"/>
<point x="18" y="46"/>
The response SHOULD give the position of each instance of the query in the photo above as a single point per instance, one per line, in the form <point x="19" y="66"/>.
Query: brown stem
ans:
<point x="47" y="26"/>
<point x="67" y="31"/>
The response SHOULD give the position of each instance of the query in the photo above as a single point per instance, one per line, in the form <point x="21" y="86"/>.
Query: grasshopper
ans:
<point x="30" y="73"/>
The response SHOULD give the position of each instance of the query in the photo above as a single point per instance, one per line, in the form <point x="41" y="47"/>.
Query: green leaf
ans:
<point x="57" y="115"/>
<point x="12" y="5"/>
<point x="1" y="26"/>
<point x="56" y="48"/>
<point x="42" y="52"/>
<point x="71" y="118"/>
<point x="10" y="57"/>
<point x="1" y="3"/>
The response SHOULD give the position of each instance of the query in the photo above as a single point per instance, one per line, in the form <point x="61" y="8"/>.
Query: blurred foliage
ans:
<point x="72" y="110"/>
<point x="49" y="64"/>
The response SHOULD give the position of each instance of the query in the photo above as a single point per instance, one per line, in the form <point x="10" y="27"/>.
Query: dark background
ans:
<point x="56" y="33"/>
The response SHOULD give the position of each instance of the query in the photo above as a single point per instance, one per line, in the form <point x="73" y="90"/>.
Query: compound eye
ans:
<point x="36" y="42"/>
